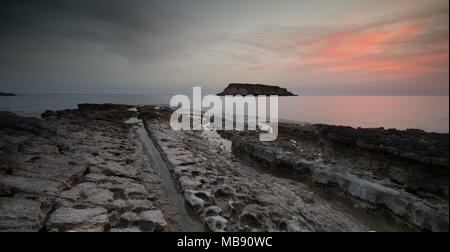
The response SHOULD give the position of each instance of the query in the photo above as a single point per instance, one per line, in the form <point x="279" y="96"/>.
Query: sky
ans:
<point x="345" y="47"/>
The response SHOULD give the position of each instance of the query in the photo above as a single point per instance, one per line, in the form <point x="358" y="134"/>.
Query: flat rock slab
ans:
<point x="89" y="193"/>
<point x="152" y="221"/>
<point x="64" y="219"/>
<point x="27" y="211"/>
<point x="31" y="185"/>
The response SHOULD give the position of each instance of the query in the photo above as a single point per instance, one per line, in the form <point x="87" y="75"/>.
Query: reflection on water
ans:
<point x="34" y="105"/>
<point x="429" y="113"/>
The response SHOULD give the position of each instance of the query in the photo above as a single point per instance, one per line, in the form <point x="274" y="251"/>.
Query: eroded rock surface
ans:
<point x="78" y="170"/>
<point x="405" y="172"/>
<point x="314" y="178"/>
<point x="230" y="196"/>
<point x="89" y="170"/>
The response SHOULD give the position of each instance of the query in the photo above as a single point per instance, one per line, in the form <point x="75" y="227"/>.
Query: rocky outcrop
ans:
<point x="89" y="169"/>
<point x="78" y="170"/>
<point x="413" y="158"/>
<point x="405" y="172"/>
<point x="7" y="94"/>
<point x="230" y="194"/>
<point x="254" y="89"/>
<point x="13" y="123"/>
<point x="416" y="145"/>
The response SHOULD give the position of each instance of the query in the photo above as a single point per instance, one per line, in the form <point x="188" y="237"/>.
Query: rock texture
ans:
<point x="405" y="172"/>
<point x="78" y="170"/>
<point x="100" y="168"/>
<point x="229" y="195"/>
<point x="413" y="158"/>
<point x="254" y="89"/>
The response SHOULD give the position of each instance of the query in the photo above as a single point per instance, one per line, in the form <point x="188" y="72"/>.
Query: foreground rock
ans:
<point x="228" y="195"/>
<point x="313" y="178"/>
<point x="254" y="89"/>
<point x="405" y="172"/>
<point x="78" y="170"/>
<point x="90" y="169"/>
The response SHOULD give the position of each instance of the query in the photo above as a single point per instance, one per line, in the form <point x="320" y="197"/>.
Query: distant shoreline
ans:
<point x="212" y="93"/>
<point x="7" y="94"/>
<point x="313" y="108"/>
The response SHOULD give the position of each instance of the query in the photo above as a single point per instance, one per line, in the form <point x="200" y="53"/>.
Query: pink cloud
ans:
<point x="409" y="43"/>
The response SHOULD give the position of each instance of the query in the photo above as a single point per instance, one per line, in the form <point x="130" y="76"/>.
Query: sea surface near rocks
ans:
<point x="429" y="113"/>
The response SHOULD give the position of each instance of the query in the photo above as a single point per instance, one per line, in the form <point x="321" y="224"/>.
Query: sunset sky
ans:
<point x="335" y="47"/>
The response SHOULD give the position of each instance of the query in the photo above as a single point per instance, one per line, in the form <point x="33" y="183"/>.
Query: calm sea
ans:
<point x="430" y="113"/>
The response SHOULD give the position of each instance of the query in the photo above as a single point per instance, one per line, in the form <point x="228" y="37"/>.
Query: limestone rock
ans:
<point x="213" y="211"/>
<point x="29" y="213"/>
<point x="64" y="219"/>
<point x="125" y="230"/>
<point x="88" y="192"/>
<point x="152" y="221"/>
<point x="188" y="183"/>
<point x="216" y="223"/>
<point x="195" y="202"/>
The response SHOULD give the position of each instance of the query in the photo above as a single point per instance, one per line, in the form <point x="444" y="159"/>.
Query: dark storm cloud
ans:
<point x="138" y="30"/>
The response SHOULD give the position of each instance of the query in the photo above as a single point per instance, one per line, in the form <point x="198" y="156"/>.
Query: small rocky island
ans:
<point x="254" y="89"/>
<point x="7" y="94"/>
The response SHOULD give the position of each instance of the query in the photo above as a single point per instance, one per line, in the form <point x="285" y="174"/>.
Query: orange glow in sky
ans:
<point x="403" y="46"/>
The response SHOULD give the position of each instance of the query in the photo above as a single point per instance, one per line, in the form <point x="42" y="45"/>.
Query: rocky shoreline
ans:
<point x="78" y="170"/>
<point x="118" y="168"/>
<point x="394" y="172"/>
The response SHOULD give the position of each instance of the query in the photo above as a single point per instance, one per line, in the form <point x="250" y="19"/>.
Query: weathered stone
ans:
<point x="95" y="162"/>
<point x="64" y="219"/>
<point x="195" y="202"/>
<point x="89" y="171"/>
<point x="361" y="184"/>
<point x="88" y="192"/>
<point x="139" y="205"/>
<point x="129" y="217"/>
<point x="125" y="230"/>
<point x="135" y="191"/>
<point x="117" y="205"/>
<point x="31" y="185"/>
<point x="213" y="211"/>
<point x="188" y="183"/>
<point x="216" y="223"/>
<point x="117" y="169"/>
<point x="152" y="221"/>
<point x="253" y="217"/>
<point x="224" y="191"/>
<point x="29" y="212"/>
<point x="236" y="185"/>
